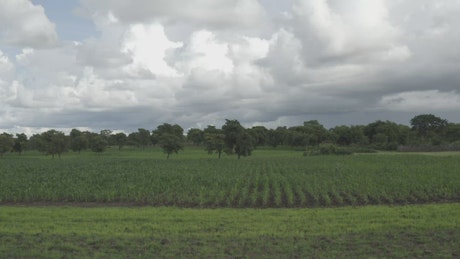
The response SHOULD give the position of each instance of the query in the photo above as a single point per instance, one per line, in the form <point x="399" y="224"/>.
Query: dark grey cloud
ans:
<point x="262" y="62"/>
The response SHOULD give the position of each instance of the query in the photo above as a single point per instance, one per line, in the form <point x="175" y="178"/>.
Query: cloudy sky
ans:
<point x="123" y="65"/>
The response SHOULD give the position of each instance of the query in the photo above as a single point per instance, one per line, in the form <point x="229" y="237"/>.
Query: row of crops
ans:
<point x="265" y="181"/>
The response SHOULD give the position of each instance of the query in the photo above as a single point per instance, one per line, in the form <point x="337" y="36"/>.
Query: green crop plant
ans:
<point x="271" y="179"/>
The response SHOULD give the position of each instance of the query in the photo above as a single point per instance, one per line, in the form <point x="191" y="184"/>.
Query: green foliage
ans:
<point x="215" y="142"/>
<point x="144" y="138"/>
<point x="426" y="124"/>
<point x="244" y="144"/>
<point x="232" y="129"/>
<point x="427" y="231"/>
<point x="6" y="143"/>
<point x="196" y="136"/>
<point x="119" y="139"/>
<point x="20" y="143"/>
<point x="78" y="140"/>
<point x="170" y="143"/>
<point x="53" y="142"/>
<point x="98" y="144"/>
<point x="266" y="179"/>
<point x="328" y="149"/>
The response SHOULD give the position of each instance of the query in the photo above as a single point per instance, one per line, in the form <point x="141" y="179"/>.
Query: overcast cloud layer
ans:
<point x="198" y="62"/>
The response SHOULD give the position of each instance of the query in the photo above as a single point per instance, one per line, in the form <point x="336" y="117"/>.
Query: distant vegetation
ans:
<point x="426" y="133"/>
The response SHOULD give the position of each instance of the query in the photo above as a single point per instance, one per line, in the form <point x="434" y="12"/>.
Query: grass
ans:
<point x="269" y="178"/>
<point x="373" y="231"/>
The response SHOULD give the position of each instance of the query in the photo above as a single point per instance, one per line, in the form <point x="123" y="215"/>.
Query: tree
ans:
<point x="55" y="142"/>
<point x="171" y="129"/>
<point x="98" y="143"/>
<point x="6" y="143"/>
<point x="170" y="143"/>
<point x="119" y="139"/>
<point x="105" y="134"/>
<point x="276" y="136"/>
<point x="386" y="134"/>
<point x="36" y="142"/>
<point x="232" y="129"/>
<point x="244" y="144"/>
<point x="78" y="141"/>
<point x="215" y="142"/>
<point x="144" y="138"/>
<point x="196" y="136"/>
<point x="452" y="132"/>
<point x="170" y="137"/>
<point x="428" y="124"/>
<point x="20" y="143"/>
<point x="316" y="132"/>
<point x="259" y="134"/>
<point x="345" y="135"/>
<point x="133" y="139"/>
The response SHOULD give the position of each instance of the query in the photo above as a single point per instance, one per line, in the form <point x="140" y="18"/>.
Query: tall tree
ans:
<point x="196" y="136"/>
<point x="215" y="142"/>
<point x="55" y="142"/>
<point x="170" y="137"/>
<point x="276" y="136"/>
<point x="6" y="143"/>
<point x="119" y="139"/>
<point x="231" y="129"/>
<point x="259" y="134"/>
<point x="244" y="144"/>
<point x="170" y="143"/>
<point x="98" y="143"/>
<point x="428" y="124"/>
<point x="20" y="143"/>
<point x="144" y="138"/>
<point x="78" y="141"/>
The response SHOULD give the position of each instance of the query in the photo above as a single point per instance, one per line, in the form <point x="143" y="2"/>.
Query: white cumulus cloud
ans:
<point x="24" y="24"/>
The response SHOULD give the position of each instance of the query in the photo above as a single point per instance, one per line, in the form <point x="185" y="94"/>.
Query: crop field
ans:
<point x="138" y="204"/>
<point x="268" y="179"/>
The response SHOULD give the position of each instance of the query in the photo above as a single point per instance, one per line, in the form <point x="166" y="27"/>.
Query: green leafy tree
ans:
<point x="452" y="133"/>
<point x="170" y="143"/>
<point x="259" y="134"/>
<point x="196" y="136"/>
<point x="134" y="139"/>
<point x="215" y="142"/>
<point x="78" y="141"/>
<point x="386" y="134"/>
<point x="119" y="139"/>
<point x="316" y="132"/>
<point x="144" y="138"/>
<point x="6" y="143"/>
<point x="276" y="137"/>
<point x="98" y="143"/>
<point x="428" y="125"/>
<point x="20" y="143"/>
<point x="105" y="133"/>
<point x="232" y="129"/>
<point x="244" y="144"/>
<point x="345" y="135"/>
<point x="55" y="142"/>
<point x="170" y="137"/>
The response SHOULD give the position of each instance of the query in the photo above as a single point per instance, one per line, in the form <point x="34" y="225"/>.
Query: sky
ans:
<point x="123" y="65"/>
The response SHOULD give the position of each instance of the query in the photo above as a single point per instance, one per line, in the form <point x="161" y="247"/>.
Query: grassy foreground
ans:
<point x="119" y="232"/>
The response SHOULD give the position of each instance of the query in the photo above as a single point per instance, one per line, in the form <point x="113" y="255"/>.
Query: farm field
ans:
<point x="268" y="179"/>
<point x="276" y="203"/>
<point x="412" y="231"/>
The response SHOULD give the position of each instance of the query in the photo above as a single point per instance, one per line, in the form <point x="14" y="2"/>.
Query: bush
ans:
<point x="328" y="149"/>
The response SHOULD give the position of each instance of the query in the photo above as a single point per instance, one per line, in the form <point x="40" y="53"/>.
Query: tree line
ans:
<point x="426" y="132"/>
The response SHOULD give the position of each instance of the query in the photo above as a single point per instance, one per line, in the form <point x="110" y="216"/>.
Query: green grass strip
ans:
<point x="415" y="231"/>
